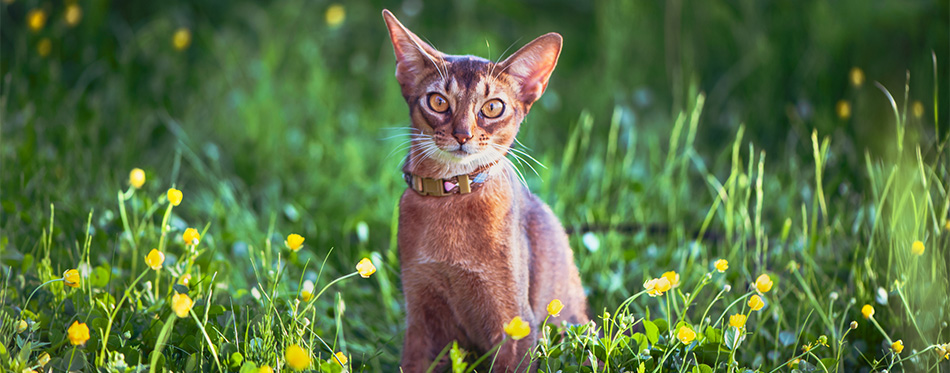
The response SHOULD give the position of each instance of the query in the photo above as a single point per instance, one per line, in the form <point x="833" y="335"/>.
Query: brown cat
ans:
<point x="476" y="247"/>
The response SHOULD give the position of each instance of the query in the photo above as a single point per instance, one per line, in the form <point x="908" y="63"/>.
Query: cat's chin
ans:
<point x="462" y="162"/>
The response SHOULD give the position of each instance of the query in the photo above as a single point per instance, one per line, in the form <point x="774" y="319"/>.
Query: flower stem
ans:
<point x="879" y="328"/>
<point x="125" y="224"/>
<point x="27" y="304"/>
<point x="201" y="327"/>
<point x="315" y="297"/>
<point x="115" y="311"/>
<point x="161" y="240"/>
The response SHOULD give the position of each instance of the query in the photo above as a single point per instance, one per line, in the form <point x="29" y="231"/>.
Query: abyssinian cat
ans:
<point x="476" y="247"/>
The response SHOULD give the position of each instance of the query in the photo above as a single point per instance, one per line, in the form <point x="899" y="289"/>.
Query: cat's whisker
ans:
<point x="399" y="148"/>
<point x="517" y="172"/>
<point x="396" y="136"/>
<point x="525" y="154"/>
<point x="402" y="128"/>
<point x="424" y="53"/>
<point x="523" y="162"/>
<point x="521" y="144"/>
<point x="494" y="64"/>
<point x="520" y="161"/>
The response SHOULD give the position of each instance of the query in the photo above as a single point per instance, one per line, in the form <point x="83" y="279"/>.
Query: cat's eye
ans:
<point x="493" y="108"/>
<point x="438" y="103"/>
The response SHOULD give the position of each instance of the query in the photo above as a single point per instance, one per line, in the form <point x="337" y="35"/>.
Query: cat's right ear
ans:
<point x="412" y="54"/>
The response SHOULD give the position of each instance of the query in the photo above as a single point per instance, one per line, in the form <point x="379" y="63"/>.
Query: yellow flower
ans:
<point x="517" y="328"/>
<point x="184" y="279"/>
<point x="174" y="196"/>
<point x="307" y="291"/>
<point x="137" y="178"/>
<point x="722" y="265"/>
<point x="21" y="326"/>
<point x="763" y="284"/>
<point x="265" y="369"/>
<point x="73" y="14"/>
<point x="843" y="109"/>
<point x="737" y="321"/>
<point x="365" y="267"/>
<point x="78" y="333"/>
<point x="555" y="307"/>
<point x="685" y="334"/>
<point x="181" y="39"/>
<point x="918" y="109"/>
<point x="181" y="304"/>
<point x="756" y="303"/>
<point x="44" y="359"/>
<point x="857" y="76"/>
<point x="71" y="278"/>
<point x="657" y="286"/>
<point x="340" y="358"/>
<point x="867" y="311"/>
<point x="897" y="346"/>
<point x="36" y="18"/>
<point x="191" y="236"/>
<point x="794" y="363"/>
<point x="917" y="248"/>
<point x="44" y="47"/>
<point x="947" y="226"/>
<point x="673" y="278"/>
<point x="335" y="15"/>
<point x="943" y="351"/>
<point x="294" y="242"/>
<point x="154" y="259"/>
<point x="297" y="357"/>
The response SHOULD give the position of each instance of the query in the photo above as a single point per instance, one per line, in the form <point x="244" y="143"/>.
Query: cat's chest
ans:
<point x="468" y="231"/>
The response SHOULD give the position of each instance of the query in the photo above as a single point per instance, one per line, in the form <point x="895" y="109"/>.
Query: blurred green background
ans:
<point x="281" y="114"/>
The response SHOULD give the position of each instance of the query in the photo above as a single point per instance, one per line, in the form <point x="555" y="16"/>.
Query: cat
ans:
<point x="476" y="247"/>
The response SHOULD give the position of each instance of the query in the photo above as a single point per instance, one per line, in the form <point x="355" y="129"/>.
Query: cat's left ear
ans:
<point x="533" y="64"/>
<point x="412" y="54"/>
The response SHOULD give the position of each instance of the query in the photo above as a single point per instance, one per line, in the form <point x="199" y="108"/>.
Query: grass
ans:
<point x="266" y="139"/>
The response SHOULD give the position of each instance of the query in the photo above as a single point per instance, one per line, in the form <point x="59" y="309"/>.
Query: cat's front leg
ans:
<point x="428" y="331"/>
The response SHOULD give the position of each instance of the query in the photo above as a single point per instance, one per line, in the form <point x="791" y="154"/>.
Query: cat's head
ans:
<point x="465" y="110"/>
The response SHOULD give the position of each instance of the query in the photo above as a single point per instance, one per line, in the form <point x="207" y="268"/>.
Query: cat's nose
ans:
<point x="462" y="137"/>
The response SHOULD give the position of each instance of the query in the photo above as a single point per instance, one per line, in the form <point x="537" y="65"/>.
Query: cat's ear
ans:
<point x="412" y="54"/>
<point x="533" y="64"/>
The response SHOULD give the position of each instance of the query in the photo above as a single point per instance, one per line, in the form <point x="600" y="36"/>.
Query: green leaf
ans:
<point x="732" y="337"/>
<point x="829" y="362"/>
<point x="27" y="263"/>
<point x="236" y="360"/>
<point x="99" y="277"/>
<point x="641" y="342"/>
<point x="652" y="331"/>
<point x="457" y="357"/>
<point x="25" y="352"/>
<point x="248" y="367"/>
<point x="702" y="368"/>
<point x="713" y="335"/>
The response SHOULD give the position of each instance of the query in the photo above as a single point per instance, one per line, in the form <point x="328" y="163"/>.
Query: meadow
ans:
<point x="212" y="186"/>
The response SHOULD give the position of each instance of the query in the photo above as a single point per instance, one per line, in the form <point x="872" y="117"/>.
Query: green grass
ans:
<point x="273" y="123"/>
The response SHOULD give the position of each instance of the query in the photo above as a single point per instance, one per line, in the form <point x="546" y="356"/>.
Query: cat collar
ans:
<point x="459" y="184"/>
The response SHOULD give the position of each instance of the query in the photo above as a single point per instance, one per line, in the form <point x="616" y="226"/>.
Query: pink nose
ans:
<point x="462" y="137"/>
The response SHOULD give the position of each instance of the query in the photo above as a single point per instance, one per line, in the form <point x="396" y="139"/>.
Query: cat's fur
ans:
<point x="472" y="262"/>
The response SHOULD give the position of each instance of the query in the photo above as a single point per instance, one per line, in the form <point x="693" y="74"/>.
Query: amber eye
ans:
<point x="438" y="103"/>
<point x="493" y="108"/>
